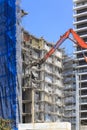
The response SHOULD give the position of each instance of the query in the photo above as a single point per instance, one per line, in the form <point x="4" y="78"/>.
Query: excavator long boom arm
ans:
<point x="79" y="41"/>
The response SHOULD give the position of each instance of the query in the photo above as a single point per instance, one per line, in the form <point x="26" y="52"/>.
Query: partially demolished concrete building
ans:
<point x="42" y="86"/>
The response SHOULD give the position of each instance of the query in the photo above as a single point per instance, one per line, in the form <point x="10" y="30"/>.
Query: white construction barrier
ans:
<point x="45" y="126"/>
<point x="83" y="127"/>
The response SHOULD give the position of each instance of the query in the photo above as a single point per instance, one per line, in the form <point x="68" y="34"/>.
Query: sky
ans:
<point x="49" y="19"/>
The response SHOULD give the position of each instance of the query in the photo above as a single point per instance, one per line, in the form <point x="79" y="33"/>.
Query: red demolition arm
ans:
<point x="79" y="41"/>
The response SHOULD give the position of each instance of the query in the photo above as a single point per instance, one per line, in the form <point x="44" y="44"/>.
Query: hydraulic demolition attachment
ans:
<point x="77" y="40"/>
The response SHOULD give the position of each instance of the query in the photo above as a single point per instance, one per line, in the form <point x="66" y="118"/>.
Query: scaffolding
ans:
<point x="10" y="81"/>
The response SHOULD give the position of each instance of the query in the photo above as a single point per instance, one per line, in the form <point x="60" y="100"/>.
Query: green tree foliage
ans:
<point x="5" y="124"/>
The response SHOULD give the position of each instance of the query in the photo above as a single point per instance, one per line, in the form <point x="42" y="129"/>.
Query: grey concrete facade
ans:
<point x="69" y="90"/>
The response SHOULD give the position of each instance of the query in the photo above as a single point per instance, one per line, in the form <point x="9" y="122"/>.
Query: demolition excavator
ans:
<point x="77" y="40"/>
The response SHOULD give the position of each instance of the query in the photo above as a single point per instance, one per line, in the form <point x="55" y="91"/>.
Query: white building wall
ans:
<point x="80" y="26"/>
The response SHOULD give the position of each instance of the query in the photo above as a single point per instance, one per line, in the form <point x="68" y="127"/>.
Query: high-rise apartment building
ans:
<point x="80" y="26"/>
<point x="69" y="90"/>
<point x="42" y="87"/>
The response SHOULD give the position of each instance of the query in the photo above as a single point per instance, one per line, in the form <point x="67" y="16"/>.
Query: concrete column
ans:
<point x="77" y="101"/>
<point x="32" y="106"/>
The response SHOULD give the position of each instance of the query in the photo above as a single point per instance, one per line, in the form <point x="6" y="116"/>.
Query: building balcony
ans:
<point x="80" y="66"/>
<point x="84" y="97"/>
<point x="79" y="7"/>
<point x="71" y="115"/>
<point x="83" y="73"/>
<point x="77" y="52"/>
<point x="85" y="88"/>
<point x="82" y="81"/>
<point x="68" y="74"/>
<point x="70" y="108"/>
<point x="79" y="59"/>
<point x="69" y="94"/>
<point x="69" y="102"/>
<point x="69" y="87"/>
<point x="80" y="29"/>
<point x="83" y="118"/>
<point x="83" y="36"/>
<point x="80" y="14"/>
<point x="79" y="22"/>
<point x="77" y="1"/>
<point x="83" y="111"/>
<point x="83" y="103"/>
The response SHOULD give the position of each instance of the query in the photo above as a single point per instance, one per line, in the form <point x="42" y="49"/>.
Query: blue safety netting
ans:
<point x="9" y="103"/>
